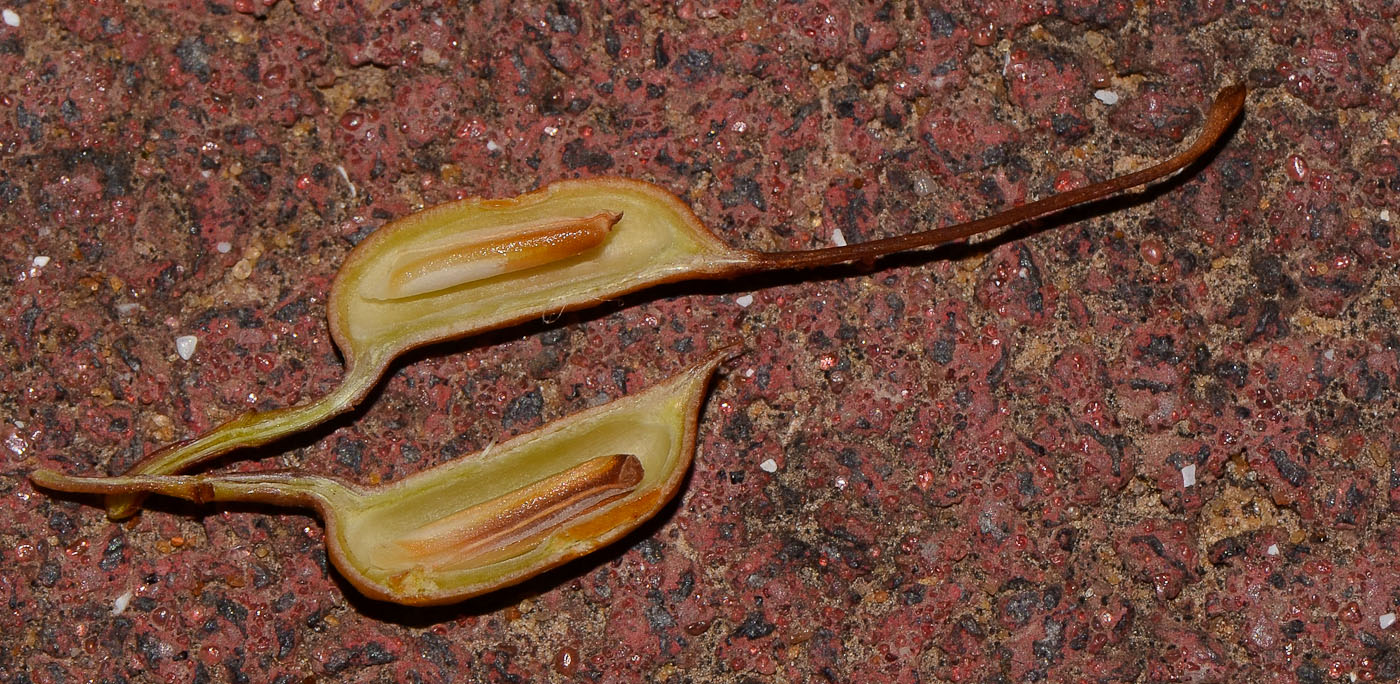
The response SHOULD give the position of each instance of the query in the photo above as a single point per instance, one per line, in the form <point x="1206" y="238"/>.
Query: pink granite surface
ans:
<point x="1155" y="441"/>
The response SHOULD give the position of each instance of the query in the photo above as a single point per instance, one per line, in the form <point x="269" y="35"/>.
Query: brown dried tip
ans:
<point x="1226" y="108"/>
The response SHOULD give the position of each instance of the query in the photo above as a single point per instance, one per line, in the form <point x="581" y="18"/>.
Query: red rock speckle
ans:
<point x="979" y="452"/>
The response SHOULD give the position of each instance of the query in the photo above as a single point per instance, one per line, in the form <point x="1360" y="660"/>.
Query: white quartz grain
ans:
<point x="184" y="346"/>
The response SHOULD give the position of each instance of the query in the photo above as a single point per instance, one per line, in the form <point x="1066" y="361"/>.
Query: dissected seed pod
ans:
<point x="483" y="521"/>
<point x="474" y="265"/>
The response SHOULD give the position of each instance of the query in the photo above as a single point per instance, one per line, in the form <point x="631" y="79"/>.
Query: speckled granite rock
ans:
<point x="1153" y="441"/>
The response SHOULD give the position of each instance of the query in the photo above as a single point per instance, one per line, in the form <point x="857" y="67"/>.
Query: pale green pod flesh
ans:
<point x="656" y="238"/>
<point x="455" y="531"/>
<point x="413" y="282"/>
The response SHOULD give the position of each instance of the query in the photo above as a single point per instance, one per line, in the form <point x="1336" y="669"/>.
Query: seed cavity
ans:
<point x="517" y="521"/>
<point x="469" y="259"/>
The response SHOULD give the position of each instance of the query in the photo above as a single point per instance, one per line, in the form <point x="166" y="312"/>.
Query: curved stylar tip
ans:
<point x="1229" y="103"/>
<point x="1233" y="97"/>
<point x="48" y="479"/>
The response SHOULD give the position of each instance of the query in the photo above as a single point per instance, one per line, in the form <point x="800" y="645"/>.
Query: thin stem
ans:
<point x="1228" y="105"/>
<point x="248" y="430"/>
<point x="275" y="488"/>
